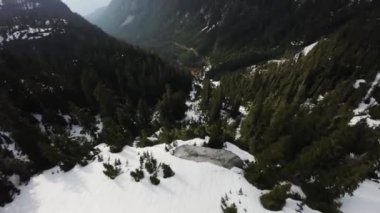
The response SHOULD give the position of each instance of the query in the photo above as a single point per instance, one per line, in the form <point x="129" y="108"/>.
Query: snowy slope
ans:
<point x="196" y="187"/>
<point x="365" y="199"/>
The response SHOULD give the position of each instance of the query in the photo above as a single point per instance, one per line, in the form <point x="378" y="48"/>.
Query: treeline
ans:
<point x="297" y="126"/>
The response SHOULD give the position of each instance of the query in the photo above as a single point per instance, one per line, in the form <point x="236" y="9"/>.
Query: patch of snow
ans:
<point x="99" y="124"/>
<point x="362" y="111"/>
<point x="243" y="110"/>
<point x="244" y="155"/>
<point x="358" y="82"/>
<point x="15" y="179"/>
<point x="215" y="83"/>
<point x="296" y="43"/>
<point x="128" y="20"/>
<point x="308" y="105"/>
<point x="366" y="199"/>
<point x="306" y="51"/>
<point x="309" y="48"/>
<point x="9" y="144"/>
<point x="320" y="98"/>
<point x="196" y="187"/>
<point x="294" y="189"/>
<point x="297" y="206"/>
<point x="195" y="141"/>
<point x="38" y="117"/>
<point x="193" y="113"/>
<point x="76" y="131"/>
<point x="277" y="61"/>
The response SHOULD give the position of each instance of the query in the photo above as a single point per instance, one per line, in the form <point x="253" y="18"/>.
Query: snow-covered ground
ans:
<point x="196" y="187"/>
<point x="365" y="199"/>
<point x="362" y="111"/>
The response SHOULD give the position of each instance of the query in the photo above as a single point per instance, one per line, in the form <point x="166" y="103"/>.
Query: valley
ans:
<point x="190" y="106"/>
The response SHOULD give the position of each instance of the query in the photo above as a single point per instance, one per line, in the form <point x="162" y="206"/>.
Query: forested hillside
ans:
<point x="230" y="34"/>
<point x="62" y="81"/>
<point x="289" y="88"/>
<point x="306" y="71"/>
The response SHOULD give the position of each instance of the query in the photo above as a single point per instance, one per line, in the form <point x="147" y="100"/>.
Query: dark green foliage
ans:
<point x="168" y="135"/>
<point x="275" y="199"/>
<point x="7" y="191"/>
<point x="172" y="107"/>
<point x="154" y="180"/>
<point x="276" y="26"/>
<point x="226" y="208"/>
<point x="205" y="94"/>
<point x="230" y="209"/>
<point x="115" y="135"/>
<point x="215" y="105"/>
<point x="294" y="135"/>
<point x="112" y="171"/>
<point x="78" y="72"/>
<point x="216" y="136"/>
<point x="144" y="141"/>
<point x="167" y="170"/>
<point x="150" y="163"/>
<point x="137" y="175"/>
<point x="67" y="152"/>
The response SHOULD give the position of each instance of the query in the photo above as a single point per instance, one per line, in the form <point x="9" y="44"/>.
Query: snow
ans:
<point x="76" y="132"/>
<point x="320" y="98"/>
<point x="193" y="113"/>
<point x="362" y="111"/>
<point x="38" y="117"/>
<point x="11" y="146"/>
<point x="28" y="33"/>
<point x="309" y="48"/>
<point x="297" y="206"/>
<point x="358" y="82"/>
<point x="245" y="156"/>
<point x="128" y="20"/>
<point x="365" y="199"/>
<point x="306" y="51"/>
<point x="294" y="189"/>
<point x="14" y="179"/>
<point x="215" y="83"/>
<point x="243" y="110"/>
<point x="99" y="124"/>
<point x="277" y="61"/>
<point x="196" y="187"/>
<point x="195" y="141"/>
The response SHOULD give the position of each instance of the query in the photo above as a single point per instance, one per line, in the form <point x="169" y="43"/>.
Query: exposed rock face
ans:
<point x="218" y="157"/>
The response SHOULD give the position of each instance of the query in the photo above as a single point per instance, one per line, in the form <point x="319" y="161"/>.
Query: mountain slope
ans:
<point x="63" y="80"/>
<point x="195" y="187"/>
<point x="238" y="32"/>
<point x="308" y="75"/>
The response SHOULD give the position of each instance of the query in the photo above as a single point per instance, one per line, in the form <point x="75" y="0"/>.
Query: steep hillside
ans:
<point x="308" y="76"/>
<point x="235" y="33"/>
<point x="62" y="81"/>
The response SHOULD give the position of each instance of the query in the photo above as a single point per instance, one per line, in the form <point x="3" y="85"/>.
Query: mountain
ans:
<point x="296" y="83"/>
<point x="234" y="33"/>
<point x="290" y="87"/>
<point x="63" y="81"/>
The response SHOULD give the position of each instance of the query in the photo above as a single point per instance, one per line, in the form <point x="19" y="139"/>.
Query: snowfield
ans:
<point x="196" y="187"/>
<point x="365" y="199"/>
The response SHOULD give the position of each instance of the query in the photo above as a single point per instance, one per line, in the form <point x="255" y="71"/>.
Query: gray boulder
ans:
<point x="218" y="157"/>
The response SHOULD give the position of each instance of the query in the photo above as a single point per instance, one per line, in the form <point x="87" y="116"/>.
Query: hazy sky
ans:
<point x="85" y="7"/>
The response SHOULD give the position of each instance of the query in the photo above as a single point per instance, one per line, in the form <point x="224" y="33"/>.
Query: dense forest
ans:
<point x="68" y="73"/>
